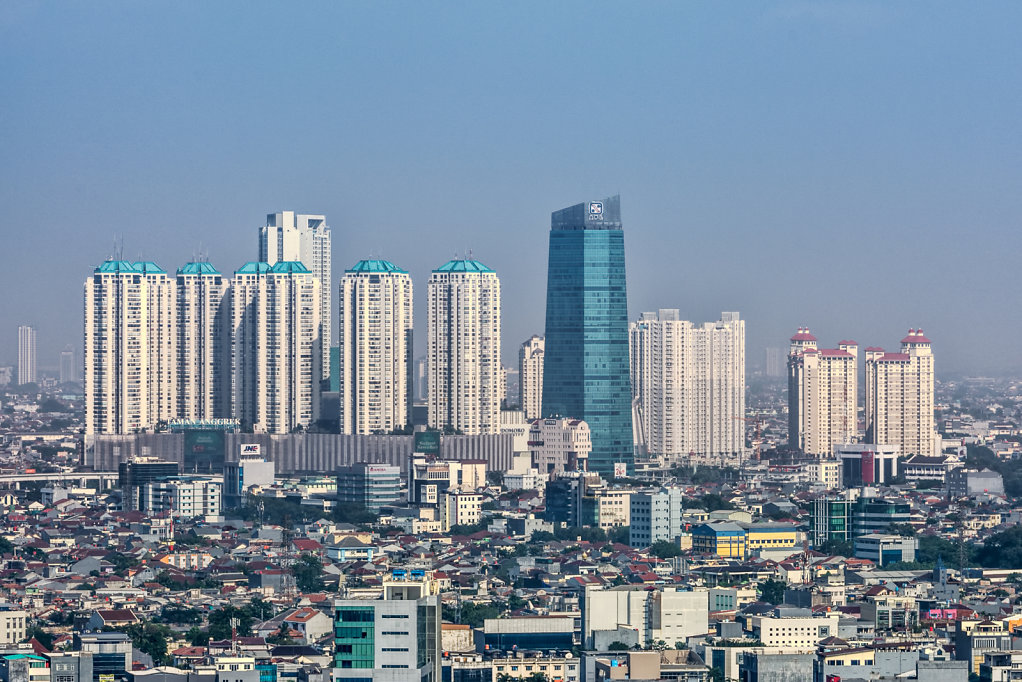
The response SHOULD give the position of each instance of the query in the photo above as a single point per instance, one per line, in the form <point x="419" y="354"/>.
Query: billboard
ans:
<point x="251" y="449"/>
<point x="204" y="451"/>
<point x="427" y="442"/>
<point x="620" y="469"/>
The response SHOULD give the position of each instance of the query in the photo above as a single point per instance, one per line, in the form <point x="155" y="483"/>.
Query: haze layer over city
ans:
<point x="849" y="166"/>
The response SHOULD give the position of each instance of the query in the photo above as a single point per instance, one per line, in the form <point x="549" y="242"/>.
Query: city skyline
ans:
<point x="756" y="163"/>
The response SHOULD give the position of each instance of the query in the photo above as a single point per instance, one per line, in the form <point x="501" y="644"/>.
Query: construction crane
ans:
<point x="759" y="423"/>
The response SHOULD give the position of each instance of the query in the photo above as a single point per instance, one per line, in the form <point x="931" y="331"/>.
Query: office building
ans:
<point x="971" y="483"/>
<point x="460" y="509"/>
<point x="68" y="368"/>
<point x="70" y="666"/>
<point x="26" y="355"/>
<point x="689" y="384"/>
<point x="134" y="474"/>
<point x="111" y="653"/>
<point x="430" y="478"/>
<point x="288" y="236"/>
<point x="899" y="396"/>
<point x="13" y="626"/>
<point x="559" y="445"/>
<point x="250" y="470"/>
<point x="585" y="362"/>
<point x="203" y="343"/>
<point x="275" y="362"/>
<point x="655" y="515"/>
<point x="129" y="354"/>
<point x="372" y="486"/>
<point x="463" y="344"/>
<point x="392" y="639"/>
<point x="822" y="394"/>
<point x="867" y="464"/>
<point x="375" y="348"/>
<point x="883" y="548"/>
<point x="530" y="376"/>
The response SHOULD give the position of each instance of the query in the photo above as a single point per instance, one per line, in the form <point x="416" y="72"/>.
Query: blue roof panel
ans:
<point x="463" y="265"/>
<point x="375" y="265"/>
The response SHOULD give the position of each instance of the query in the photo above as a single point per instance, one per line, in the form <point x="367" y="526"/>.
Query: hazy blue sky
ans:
<point x="856" y="167"/>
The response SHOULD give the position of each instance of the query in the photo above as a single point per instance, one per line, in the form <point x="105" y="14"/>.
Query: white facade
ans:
<point x="68" y="371"/>
<point x="560" y="445"/>
<point x="12" y="627"/>
<point x="375" y="339"/>
<point x="899" y="396"/>
<point x="666" y="613"/>
<point x="822" y="394"/>
<point x="203" y="345"/>
<point x="26" y="355"/>
<point x="655" y="515"/>
<point x="689" y="384"/>
<point x="530" y="376"/>
<point x="185" y="497"/>
<point x="796" y="632"/>
<point x="275" y="363"/>
<point x="463" y="344"/>
<point x="460" y="509"/>
<point x="129" y="351"/>
<point x="288" y="236"/>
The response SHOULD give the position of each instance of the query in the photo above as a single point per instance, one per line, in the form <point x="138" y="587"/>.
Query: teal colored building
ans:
<point x="585" y="365"/>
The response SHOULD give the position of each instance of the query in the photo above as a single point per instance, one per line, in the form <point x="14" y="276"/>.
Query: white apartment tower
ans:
<point x="68" y="371"/>
<point x="203" y="342"/>
<point x="899" y="396"/>
<point x="530" y="376"/>
<point x="276" y="358"/>
<point x="26" y="355"/>
<point x="375" y="340"/>
<point x="688" y="383"/>
<point x="822" y="394"/>
<point x="129" y="350"/>
<point x="288" y="236"/>
<point x="463" y="347"/>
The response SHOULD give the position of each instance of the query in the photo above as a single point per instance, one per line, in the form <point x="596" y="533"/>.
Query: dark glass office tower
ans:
<point x="585" y="365"/>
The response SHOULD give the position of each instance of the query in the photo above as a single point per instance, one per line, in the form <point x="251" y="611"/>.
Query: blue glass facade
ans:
<point x="585" y="365"/>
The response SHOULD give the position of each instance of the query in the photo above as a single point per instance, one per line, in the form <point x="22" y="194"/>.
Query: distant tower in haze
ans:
<point x="585" y="362"/>
<point x="68" y="370"/>
<point x="530" y="376"/>
<point x="463" y="348"/>
<point x="375" y="344"/>
<point x="774" y="362"/>
<point x="822" y="394"/>
<point x="288" y="236"/>
<point x="26" y="355"/>
<point x="899" y="396"/>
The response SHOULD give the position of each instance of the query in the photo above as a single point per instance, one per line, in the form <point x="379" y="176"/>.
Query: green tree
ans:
<point x="772" y="591"/>
<point x="308" y="573"/>
<point x="665" y="549"/>
<point x="150" y="638"/>
<point x="220" y="623"/>
<point x="180" y="615"/>
<point x="713" y="502"/>
<point x="617" y="646"/>
<point x="41" y="636"/>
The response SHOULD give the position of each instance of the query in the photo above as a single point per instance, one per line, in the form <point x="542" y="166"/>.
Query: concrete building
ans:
<point x="111" y="653"/>
<point x="276" y="354"/>
<point x="304" y="238"/>
<point x="375" y="345"/>
<point x="666" y="613"/>
<point x="899" y="396"/>
<point x="822" y="394"/>
<point x="26" y="355"/>
<point x="133" y="475"/>
<point x="689" y="382"/>
<point x="70" y="666"/>
<point x="13" y="626"/>
<point x="251" y="469"/>
<point x="883" y="548"/>
<point x="129" y="354"/>
<point x="791" y="627"/>
<point x="392" y="639"/>
<point x="540" y="633"/>
<point x="182" y="497"/>
<point x="560" y="445"/>
<point x="974" y="639"/>
<point x="867" y="464"/>
<point x="520" y="667"/>
<point x="460" y="509"/>
<point x="463" y="347"/>
<point x="962" y="482"/>
<point x="654" y="516"/>
<point x="429" y="478"/>
<point x="768" y="666"/>
<point x="201" y="326"/>
<point x="372" y="486"/>
<point x="530" y="376"/>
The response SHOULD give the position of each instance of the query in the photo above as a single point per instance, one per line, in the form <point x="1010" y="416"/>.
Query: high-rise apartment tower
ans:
<point x="899" y="396"/>
<point x="822" y="394"/>
<point x="26" y="355"/>
<point x="530" y="376"/>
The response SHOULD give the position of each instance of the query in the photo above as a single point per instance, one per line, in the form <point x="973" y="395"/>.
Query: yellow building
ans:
<point x="731" y="540"/>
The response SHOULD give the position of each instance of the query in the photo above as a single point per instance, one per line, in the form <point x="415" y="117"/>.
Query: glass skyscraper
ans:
<point x="586" y="369"/>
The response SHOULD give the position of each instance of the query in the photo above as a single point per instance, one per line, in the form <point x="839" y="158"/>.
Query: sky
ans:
<point x="850" y="166"/>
